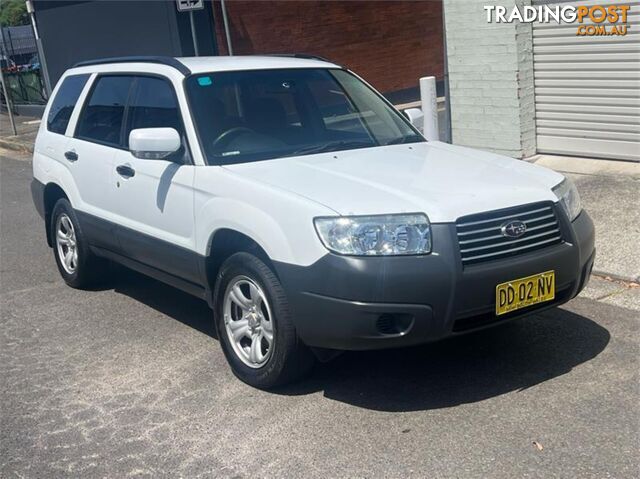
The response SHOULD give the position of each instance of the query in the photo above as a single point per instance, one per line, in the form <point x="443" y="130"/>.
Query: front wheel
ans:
<point x="255" y="327"/>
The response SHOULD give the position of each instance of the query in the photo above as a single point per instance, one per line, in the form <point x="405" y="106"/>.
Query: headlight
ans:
<point x="569" y="198"/>
<point x="384" y="235"/>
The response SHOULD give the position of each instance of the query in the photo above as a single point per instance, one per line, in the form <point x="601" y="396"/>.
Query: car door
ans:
<point x="97" y="137"/>
<point x="67" y="98"/>
<point x="155" y="197"/>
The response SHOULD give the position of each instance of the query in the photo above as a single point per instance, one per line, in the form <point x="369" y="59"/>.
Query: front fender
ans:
<point x="225" y="213"/>
<point x="279" y="222"/>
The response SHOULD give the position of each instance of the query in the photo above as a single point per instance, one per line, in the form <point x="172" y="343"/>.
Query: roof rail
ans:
<point x="163" y="60"/>
<point x="301" y="55"/>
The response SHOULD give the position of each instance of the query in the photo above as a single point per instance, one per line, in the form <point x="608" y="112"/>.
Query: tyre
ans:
<point x="77" y="265"/>
<point x="254" y="325"/>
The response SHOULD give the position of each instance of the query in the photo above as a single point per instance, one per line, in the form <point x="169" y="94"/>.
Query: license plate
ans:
<point x="523" y="292"/>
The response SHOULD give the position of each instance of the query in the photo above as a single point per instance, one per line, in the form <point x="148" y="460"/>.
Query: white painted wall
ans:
<point x="490" y="79"/>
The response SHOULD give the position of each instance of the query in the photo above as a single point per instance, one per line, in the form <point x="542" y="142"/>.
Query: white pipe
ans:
<point x="5" y="92"/>
<point x="41" y="58"/>
<point x="193" y="34"/>
<point x="447" y="92"/>
<point x="429" y="101"/>
<point x="226" y="27"/>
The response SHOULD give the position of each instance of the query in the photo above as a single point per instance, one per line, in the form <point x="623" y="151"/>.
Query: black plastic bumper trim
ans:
<point x="37" y="193"/>
<point x="337" y="300"/>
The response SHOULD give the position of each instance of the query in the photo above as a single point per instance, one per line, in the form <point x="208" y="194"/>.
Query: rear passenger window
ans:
<point x="64" y="102"/>
<point x="153" y="104"/>
<point x="101" y="119"/>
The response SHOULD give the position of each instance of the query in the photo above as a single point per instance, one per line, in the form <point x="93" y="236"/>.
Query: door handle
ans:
<point x="125" y="171"/>
<point x="71" y="155"/>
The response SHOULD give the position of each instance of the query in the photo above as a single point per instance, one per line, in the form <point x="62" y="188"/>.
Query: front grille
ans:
<point x="481" y="239"/>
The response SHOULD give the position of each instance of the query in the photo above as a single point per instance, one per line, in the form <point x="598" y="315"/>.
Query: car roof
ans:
<point x="251" y="62"/>
<point x="196" y="65"/>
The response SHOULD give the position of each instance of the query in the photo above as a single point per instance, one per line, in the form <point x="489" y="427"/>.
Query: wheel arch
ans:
<point x="225" y="242"/>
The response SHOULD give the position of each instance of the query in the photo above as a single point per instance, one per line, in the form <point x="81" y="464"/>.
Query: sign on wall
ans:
<point x="189" y="5"/>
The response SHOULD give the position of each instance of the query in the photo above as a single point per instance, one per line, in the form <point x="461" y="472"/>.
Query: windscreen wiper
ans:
<point x="331" y="146"/>
<point x="404" y="139"/>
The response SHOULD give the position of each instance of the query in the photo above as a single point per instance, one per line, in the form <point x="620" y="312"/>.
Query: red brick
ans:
<point x="389" y="43"/>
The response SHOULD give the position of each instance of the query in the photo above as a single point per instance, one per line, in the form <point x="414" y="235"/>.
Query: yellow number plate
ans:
<point x="523" y="292"/>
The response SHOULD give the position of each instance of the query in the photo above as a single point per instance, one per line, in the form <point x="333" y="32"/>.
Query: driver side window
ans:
<point x="153" y="104"/>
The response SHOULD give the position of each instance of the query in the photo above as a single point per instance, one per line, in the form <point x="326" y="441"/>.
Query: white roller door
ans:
<point x="587" y="88"/>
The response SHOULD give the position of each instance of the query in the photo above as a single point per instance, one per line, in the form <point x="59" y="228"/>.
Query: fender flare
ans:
<point x="222" y="213"/>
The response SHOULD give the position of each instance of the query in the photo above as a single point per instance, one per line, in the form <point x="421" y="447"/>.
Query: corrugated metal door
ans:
<point x="587" y="88"/>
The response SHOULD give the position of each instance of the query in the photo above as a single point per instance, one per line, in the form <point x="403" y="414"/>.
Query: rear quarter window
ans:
<point x="64" y="103"/>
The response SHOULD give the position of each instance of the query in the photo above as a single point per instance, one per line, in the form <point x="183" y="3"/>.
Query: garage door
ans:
<point x="587" y="88"/>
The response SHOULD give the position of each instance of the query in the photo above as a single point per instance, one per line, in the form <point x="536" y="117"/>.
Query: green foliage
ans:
<point x="13" y="13"/>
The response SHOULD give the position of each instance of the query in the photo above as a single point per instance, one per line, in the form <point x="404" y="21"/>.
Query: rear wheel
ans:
<point x="66" y="244"/>
<point x="255" y="327"/>
<point x="77" y="265"/>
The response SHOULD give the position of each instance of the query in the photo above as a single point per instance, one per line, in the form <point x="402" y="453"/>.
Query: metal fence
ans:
<point x="21" y="66"/>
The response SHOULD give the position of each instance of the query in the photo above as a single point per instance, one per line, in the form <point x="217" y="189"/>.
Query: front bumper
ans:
<point x="355" y="303"/>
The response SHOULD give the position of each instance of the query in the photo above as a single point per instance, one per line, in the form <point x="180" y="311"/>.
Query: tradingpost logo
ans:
<point x="605" y="20"/>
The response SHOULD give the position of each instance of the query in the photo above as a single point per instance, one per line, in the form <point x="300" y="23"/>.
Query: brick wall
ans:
<point x="389" y="43"/>
<point x="490" y="79"/>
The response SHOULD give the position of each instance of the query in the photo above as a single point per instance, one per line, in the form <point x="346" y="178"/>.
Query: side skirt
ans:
<point x="188" y="287"/>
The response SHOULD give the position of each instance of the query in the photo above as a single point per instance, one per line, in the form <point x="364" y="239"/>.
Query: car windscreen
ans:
<point x="246" y="116"/>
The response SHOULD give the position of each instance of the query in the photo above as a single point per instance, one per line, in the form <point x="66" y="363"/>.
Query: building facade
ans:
<point x="514" y="88"/>
<point x="390" y="43"/>
<point x="74" y="31"/>
<point x="524" y="88"/>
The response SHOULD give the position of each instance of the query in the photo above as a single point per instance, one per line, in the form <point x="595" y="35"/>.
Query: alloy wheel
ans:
<point x="248" y="321"/>
<point x="66" y="244"/>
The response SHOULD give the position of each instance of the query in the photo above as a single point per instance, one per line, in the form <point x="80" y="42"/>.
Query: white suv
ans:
<point x="308" y="212"/>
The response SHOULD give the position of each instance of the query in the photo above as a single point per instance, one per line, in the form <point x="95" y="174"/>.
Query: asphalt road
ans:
<point x="129" y="380"/>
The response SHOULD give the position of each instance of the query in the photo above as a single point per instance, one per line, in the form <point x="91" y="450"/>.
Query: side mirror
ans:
<point x="153" y="143"/>
<point x="415" y="116"/>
